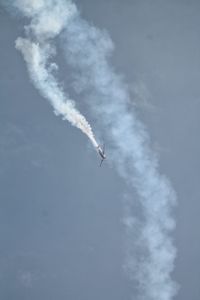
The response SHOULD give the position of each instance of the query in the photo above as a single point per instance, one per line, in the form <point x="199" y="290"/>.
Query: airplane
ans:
<point x="101" y="153"/>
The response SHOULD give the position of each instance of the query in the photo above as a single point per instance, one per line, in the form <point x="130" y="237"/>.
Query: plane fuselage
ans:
<point x="101" y="152"/>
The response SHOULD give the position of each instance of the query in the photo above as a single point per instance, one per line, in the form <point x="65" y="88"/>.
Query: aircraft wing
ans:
<point x="101" y="163"/>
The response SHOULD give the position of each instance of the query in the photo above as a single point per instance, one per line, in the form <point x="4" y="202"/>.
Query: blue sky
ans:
<point x="62" y="232"/>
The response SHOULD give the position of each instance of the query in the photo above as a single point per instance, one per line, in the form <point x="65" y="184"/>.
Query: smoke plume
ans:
<point x="48" y="19"/>
<point x="150" y="252"/>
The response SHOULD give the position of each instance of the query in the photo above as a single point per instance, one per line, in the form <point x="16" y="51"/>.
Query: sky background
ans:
<point x="61" y="229"/>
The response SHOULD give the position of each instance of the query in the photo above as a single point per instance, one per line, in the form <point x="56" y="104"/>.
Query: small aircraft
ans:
<point x="101" y="153"/>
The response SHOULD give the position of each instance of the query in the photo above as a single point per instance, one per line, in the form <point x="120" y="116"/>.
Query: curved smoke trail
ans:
<point x="150" y="250"/>
<point x="48" y="19"/>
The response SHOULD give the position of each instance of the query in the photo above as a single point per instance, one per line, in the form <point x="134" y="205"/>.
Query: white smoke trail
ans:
<point x="48" y="19"/>
<point x="150" y="250"/>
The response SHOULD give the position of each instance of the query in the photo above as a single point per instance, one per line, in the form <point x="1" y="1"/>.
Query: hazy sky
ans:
<point x="61" y="229"/>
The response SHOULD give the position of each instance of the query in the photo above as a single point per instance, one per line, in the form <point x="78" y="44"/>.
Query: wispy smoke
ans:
<point x="48" y="19"/>
<point x="150" y="251"/>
